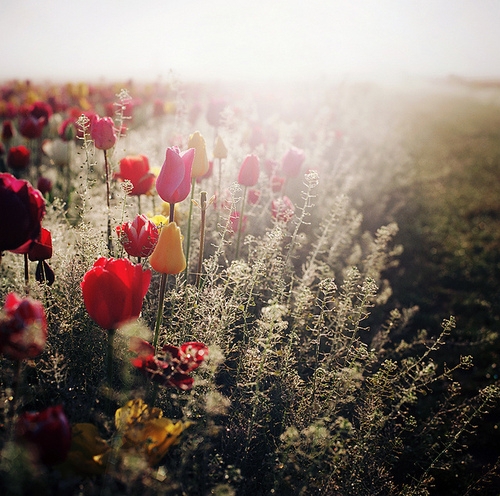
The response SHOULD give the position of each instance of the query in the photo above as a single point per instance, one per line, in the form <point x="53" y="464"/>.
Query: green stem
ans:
<point x="159" y="316"/>
<point x="26" y="275"/>
<point x="109" y="357"/>
<point x="203" y="205"/>
<point x="240" y="222"/>
<point x="108" y="195"/>
<point x="188" y="235"/>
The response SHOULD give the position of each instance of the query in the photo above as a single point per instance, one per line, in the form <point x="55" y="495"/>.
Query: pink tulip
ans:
<point x="173" y="183"/>
<point x="103" y="132"/>
<point x="249" y="171"/>
<point x="292" y="162"/>
<point x="282" y="209"/>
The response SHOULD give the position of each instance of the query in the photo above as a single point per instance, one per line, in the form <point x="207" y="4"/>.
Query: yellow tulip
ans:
<point x="220" y="150"/>
<point x="200" y="163"/>
<point x="168" y="256"/>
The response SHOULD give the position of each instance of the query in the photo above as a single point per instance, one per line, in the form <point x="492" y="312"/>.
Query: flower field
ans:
<point x="249" y="290"/>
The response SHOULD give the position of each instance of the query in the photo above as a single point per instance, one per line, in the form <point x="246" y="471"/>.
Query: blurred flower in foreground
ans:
<point x="174" y="180"/>
<point x="144" y="429"/>
<point x="22" y="208"/>
<point x="172" y="365"/>
<point x="23" y="327"/>
<point x="113" y="291"/>
<point x="135" y="168"/>
<point x="103" y="132"/>
<point x="168" y="256"/>
<point x="47" y="433"/>
<point x="138" y="237"/>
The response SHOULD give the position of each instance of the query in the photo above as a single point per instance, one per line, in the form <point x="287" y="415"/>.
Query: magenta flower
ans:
<point x="138" y="237"/>
<point x="172" y="365"/>
<point x="103" y="132"/>
<point x="23" y="327"/>
<point x="249" y="171"/>
<point x="174" y="180"/>
<point x="23" y="208"/>
<point x="292" y="162"/>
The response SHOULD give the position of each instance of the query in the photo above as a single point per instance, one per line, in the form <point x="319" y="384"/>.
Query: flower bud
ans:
<point x="249" y="171"/>
<point x="200" y="162"/>
<point x="168" y="256"/>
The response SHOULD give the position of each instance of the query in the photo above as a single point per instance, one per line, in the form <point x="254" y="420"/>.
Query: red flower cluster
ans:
<point x="172" y="365"/>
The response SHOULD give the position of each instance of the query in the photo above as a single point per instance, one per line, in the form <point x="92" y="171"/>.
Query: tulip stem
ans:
<point x="188" y="236"/>
<point x="159" y="316"/>
<point x="240" y="222"/>
<point x="203" y="205"/>
<point x="16" y="386"/>
<point x="26" y="274"/>
<point x="109" y="357"/>
<point x="108" y="195"/>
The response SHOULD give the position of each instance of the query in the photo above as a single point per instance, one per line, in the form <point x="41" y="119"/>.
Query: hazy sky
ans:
<point x="253" y="39"/>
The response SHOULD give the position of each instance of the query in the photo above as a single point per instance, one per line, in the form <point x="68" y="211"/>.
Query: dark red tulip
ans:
<point x="18" y="157"/>
<point x="23" y="327"/>
<point x="31" y="127"/>
<point x="41" y="110"/>
<point x="135" y="168"/>
<point x="44" y="185"/>
<point x="47" y="433"/>
<point x="113" y="291"/>
<point x="23" y="208"/>
<point x="7" y="130"/>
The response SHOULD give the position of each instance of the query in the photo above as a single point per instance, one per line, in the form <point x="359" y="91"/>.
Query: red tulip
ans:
<point x="31" y="127"/>
<point x="44" y="185"/>
<point x="253" y="196"/>
<point x="234" y="220"/>
<point x="23" y="327"/>
<point x="171" y="366"/>
<point x="113" y="291"/>
<point x="249" y="171"/>
<point x="47" y="432"/>
<point x="174" y="180"/>
<point x="23" y="208"/>
<point x="39" y="248"/>
<point x="282" y="209"/>
<point x="7" y="130"/>
<point x="135" y="168"/>
<point x="18" y="157"/>
<point x="41" y="110"/>
<point x="292" y="162"/>
<point x="103" y="132"/>
<point x="138" y="237"/>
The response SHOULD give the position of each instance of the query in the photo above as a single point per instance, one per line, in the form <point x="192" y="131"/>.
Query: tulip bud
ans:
<point x="292" y="162"/>
<point x="200" y="162"/>
<point x="103" y="132"/>
<point x="18" y="157"/>
<point x="168" y="256"/>
<point x="249" y="171"/>
<point x="220" y="150"/>
<point x="138" y="237"/>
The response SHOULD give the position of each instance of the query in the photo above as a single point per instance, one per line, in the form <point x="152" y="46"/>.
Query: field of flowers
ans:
<point x="248" y="290"/>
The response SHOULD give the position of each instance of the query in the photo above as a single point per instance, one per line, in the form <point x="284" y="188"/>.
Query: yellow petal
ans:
<point x="168" y="256"/>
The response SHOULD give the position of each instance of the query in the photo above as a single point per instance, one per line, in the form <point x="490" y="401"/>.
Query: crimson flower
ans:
<point x="249" y="171"/>
<point x="18" y="157"/>
<point x="7" y="130"/>
<point x="23" y="208"/>
<point x="138" y="237"/>
<point x="172" y="365"/>
<point x="31" y="127"/>
<point x="41" y="110"/>
<point x="292" y="162"/>
<point x="113" y="291"/>
<point x="173" y="183"/>
<point x="23" y="327"/>
<point x="103" y="132"/>
<point x="44" y="185"/>
<point x="48" y="434"/>
<point x="135" y="168"/>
